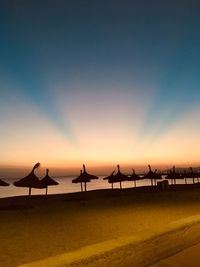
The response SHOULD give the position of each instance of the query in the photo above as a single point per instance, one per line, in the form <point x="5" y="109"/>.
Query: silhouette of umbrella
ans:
<point x="134" y="177"/>
<point x="2" y="183"/>
<point x="78" y="180"/>
<point x="81" y="179"/>
<point x="90" y="176"/>
<point x="110" y="178"/>
<point x="173" y="175"/>
<point x="118" y="178"/>
<point x="153" y="176"/>
<point x="48" y="181"/>
<point x="30" y="181"/>
<point x="192" y="174"/>
<point x="84" y="178"/>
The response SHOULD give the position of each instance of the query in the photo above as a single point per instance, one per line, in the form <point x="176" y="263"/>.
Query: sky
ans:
<point x="99" y="82"/>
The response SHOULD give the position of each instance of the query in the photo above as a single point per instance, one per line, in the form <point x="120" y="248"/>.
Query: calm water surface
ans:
<point x="66" y="186"/>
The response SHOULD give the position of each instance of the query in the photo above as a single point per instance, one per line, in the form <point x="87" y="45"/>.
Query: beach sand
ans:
<point x="187" y="258"/>
<point x="38" y="228"/>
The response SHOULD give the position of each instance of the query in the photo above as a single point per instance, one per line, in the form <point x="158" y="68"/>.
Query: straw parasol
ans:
<point x="153" y="176"/>
<point x="2" y="183"/>
<point x="134" y="177"/>
<point x="48" y="181"/>
<point x="84" y="177"/>
<point x="173" y="175"/>
<point x="192" y="175"/>
<point x="118" y="177"/>
<point x="81" y="179"/>
<point x="90" y="176"/>
<point x="110" y="178"/>
<point x="31" y="180"/>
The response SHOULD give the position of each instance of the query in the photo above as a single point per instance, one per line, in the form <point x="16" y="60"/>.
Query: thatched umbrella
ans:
<point x="110" y="178"/>
<point x="84" y="177"/>
<point x="118" y="177"/>
<point x="47" y="180"/>
<point x="90" y="176"/>
<point x="81" y="179"/>
<point x="153" y="176"/>
<point x="150" y="175"/>
<point x="176" y="176"/>
<point x="2" y="183"/>
<point x="192" y="175"/>
<point x="30" y="181"/>
<point x="134" y="177"/>
<point x="78" y="180"/>
<point x="173" y="175"/>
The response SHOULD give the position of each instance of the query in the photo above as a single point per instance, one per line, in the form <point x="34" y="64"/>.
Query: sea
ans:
<point x="66" y="186"/>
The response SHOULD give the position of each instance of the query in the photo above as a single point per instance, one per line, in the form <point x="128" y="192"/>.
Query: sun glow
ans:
<point x="105" y="126"/>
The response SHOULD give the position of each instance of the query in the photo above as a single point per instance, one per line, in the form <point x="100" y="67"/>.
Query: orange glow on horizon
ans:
<point x="104" y="136"/>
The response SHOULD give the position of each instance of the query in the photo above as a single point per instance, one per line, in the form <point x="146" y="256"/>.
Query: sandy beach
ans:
<point x="42" y="228"/>
<point x="187" y="257"/>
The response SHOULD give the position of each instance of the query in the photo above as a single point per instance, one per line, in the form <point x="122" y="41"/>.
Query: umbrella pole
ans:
<point x="46" y="190"/>
<point x="29" y="191"/>
<point x="120" y="184"/>
<point x="193" y="180"/>
<point x="85" y="187"/>
<point x="135" y="183"/>
<point x="81" y="187"/>
<point x="185" y="180"/>
<point x="151" y="182"/>
<point x="112" y="185"/>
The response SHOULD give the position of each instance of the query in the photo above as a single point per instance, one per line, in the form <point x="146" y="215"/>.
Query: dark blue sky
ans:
<point x="95" y="49"/>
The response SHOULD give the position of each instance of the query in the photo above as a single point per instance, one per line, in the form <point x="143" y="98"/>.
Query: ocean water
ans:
<point x="66" y="186"/>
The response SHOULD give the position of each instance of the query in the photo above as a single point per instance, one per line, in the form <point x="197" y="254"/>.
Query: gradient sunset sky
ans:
<point x="100" y="82"/>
